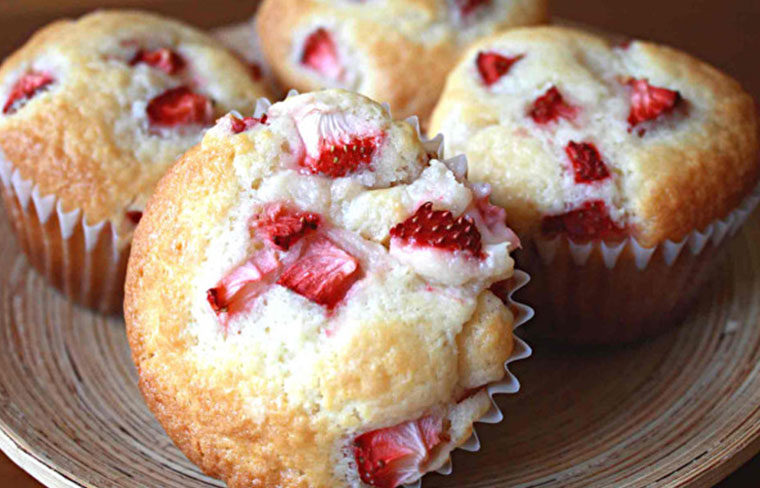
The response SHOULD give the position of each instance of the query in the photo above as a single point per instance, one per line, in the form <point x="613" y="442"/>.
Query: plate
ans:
<point x="682" y="410"/>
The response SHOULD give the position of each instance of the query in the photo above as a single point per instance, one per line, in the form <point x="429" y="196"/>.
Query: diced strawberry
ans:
<point x="649" y="102"/>
<point x="550" y="106"/>
<point x="25" y="89"/>
<point x="180" y="106"/>
<point x="134" y="216"/>
<point x="393" y="456"/>
<point x="163" y="59"/>
<point x="283" y="227"/>
<point x="321" y="54"/>
<point x="323" y="274"/>
<point x="466" y="7"/>
<point x="256" y="72"/>
<point x="235" y="292"/>
<point x="492" y="66"/>
<point x="587" y="162"/>
<point x="439" y="229"/>
<point x="589" y="221"/>
<point x="241" y="125"/>
<point x="339" y="159"/>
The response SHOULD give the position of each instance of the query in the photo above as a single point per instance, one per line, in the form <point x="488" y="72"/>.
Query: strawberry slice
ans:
<point x="25" y="89"/>
<point x="323" y="274"/>
<point x="551" y="106"/>
<point x="236" y="291"/>
<point x="242" y="125"/>
<point x="180" y="106"/>
<point x="589" y="221"/>
<point x="492" y="66"/>
<point x="321" y="54"/>
<point x="467" y="7"/>
<point x="587" y="162"/>
<point x="256" y="72"/>
<point x="163" y="59"/>
<point x="393" y="456"/>
<point x="134" y="216"/>
<point x="339" y="159"/>
<point x="649" y="102"/>
<point x="284" y="227"/>
<point x="439" y="229"/>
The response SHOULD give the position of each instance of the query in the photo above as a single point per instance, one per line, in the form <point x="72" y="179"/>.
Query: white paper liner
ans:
<point x="696" y="242"/>
<point x="67" y="223"/>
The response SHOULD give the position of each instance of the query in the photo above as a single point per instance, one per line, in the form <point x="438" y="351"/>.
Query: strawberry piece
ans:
<point x="284" y="227"/>
<point x="236" y="291"/>
<point x="589" y="221"/>
<point x="323" y="274"/>
<point x="321" y="54"/>
<point x="587" y="162"/>
<point x="25" y="89"/>
<point x="241" y="125"/>
<point x="467" y="7"/>
<point x="493" y="66"/>
<point x="180" y="106"/>
<point x="134" y="216"/>
<point x="338" y="160"/>
<point x="163" y="59"/>
<point x="649" y="102"/>
<point x="439" y="229"/>
<point x="393" y="456"/>
<point x="256" y="72"/>
<point x="550" y="106"/>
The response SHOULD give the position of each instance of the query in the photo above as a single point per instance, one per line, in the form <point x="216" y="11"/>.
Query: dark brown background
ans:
<point x="721" y="32"/>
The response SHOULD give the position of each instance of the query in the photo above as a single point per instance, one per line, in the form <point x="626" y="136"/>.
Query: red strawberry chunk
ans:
<point x="393" y="456"/>
<point x="589" y="221"/>
<point x="242" y="125"/>
<point x="284" y="227"/>
<point x="236" y="291"/>
<point x="134" y="216"/>
<point x="25" y="89"/>
<point x="163" y="59"/>
<point x="180" y="106"/>
<point x="439" y="229"/>
<point x="338" y="160"/>
<point x="649" y="102"/>
<point x="321" y="54"/>
<point x="493" y="66"/>
<point x="256" y="72"/>
<point x="587" y="162"/>
<point x="550" y="106"/>
<point x="324" y="273"/>
<point x="466" y="7"/>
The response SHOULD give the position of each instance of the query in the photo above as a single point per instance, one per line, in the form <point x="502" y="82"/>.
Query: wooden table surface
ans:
<point x="723" y="33"/>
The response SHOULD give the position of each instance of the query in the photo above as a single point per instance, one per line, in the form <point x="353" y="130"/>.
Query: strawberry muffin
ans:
<point x="308" y="299"/>
<point x="395" y="51"/>
<point x="93" y="112"/>
<point x="622" y="166"/>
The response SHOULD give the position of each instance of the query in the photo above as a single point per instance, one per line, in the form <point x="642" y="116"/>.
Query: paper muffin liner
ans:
<point x="605" y="293"/>
<point x="87" y="262"/>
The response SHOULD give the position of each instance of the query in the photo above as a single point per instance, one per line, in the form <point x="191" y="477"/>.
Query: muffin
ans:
<point x="395" y="51"/>
<point x="93" y="113"/>
<point x="307" y="299"/>
<point x="623" y="167"/>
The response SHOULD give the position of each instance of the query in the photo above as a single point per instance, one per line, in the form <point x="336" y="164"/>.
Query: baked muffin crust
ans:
<point x="282" y="386"/>
<point x="686" y="163"/>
